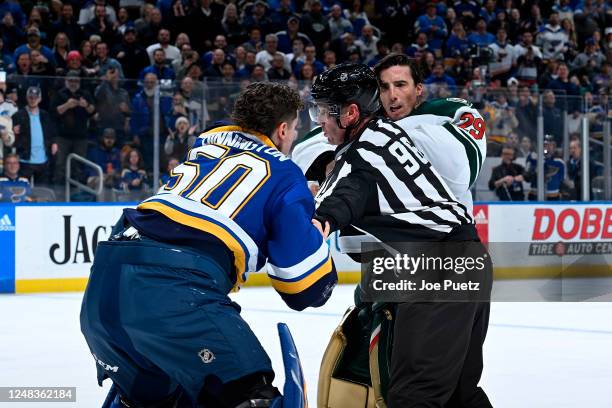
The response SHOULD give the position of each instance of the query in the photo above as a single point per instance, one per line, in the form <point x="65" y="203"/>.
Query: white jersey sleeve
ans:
<point x="452" y="135"/>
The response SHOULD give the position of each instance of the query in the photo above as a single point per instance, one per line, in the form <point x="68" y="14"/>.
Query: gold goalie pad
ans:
<point x="336" y="390"/>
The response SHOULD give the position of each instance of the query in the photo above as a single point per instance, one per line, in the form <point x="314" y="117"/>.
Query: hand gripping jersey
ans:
<point x="237" y="191"/>
<point x="452" y="134"/>
<point x="383" y="186"/>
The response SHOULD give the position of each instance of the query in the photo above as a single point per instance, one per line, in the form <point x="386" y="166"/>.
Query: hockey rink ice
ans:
<point x="536" y="354"/>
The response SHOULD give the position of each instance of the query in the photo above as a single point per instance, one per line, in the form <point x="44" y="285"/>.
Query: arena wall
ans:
<point x="50" y="247"/>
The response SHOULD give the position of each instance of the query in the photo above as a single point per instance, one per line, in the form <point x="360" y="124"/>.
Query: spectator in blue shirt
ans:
<point x="104" y="62"/>
<point x="141" y="122"/>
<point x="159" y="67"/>
<point x="438" y="76"/>
<point x="481" y="37"/>
<point x="34" y="137"/>
<point x="107" y="156"/>
<point x="13" y="188"/>
<point x="457" y="43"/>
<point x="14" y="9"/>
<point x="33" y="43"/>
<point x="286" y="37"/>
<point x="432" y="25"/>
<point x="419" y="47"/>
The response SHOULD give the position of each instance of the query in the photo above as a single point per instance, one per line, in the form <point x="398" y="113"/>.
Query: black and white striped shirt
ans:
<point x="386" y="189"/>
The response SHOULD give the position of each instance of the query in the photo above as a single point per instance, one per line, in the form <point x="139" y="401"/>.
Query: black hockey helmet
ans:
<point x="343" y="84"/>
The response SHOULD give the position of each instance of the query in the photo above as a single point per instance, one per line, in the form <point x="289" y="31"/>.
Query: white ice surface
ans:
<point x="536" y="354"/>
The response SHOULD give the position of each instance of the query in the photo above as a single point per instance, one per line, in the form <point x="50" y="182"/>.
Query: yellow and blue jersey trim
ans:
<point x="191" y="214"/>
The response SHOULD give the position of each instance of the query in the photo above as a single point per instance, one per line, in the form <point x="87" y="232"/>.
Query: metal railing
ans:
<point x="73" y="182"/>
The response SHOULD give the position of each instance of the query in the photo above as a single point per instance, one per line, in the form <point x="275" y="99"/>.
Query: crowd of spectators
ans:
<point x="78" y="74"/>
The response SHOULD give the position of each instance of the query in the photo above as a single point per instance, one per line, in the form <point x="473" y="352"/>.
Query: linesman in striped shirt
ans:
<point x="383" y="189"/>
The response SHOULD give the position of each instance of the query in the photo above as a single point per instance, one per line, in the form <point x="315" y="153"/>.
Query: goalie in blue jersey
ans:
<point x="156" y="313"/>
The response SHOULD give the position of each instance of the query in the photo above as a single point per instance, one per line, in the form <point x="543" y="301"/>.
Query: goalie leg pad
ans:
<point x="342" y="382"/>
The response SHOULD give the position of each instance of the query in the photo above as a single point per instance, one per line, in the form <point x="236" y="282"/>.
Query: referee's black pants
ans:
<point x="436" y="359"/>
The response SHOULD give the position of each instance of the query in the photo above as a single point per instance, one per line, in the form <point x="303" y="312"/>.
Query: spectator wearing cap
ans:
<point x="34" y="137"/>
<point x="33" y="43"/>
<point x="66" y="23"/>
<point x="419" y="47"/>
<point x="13" y="187"/>
<point x="159" y="67"/>
<point x="590" y="60"/>
<point x="107" y="156"/>
<point x="72" y="107"/>
<point x="257" y="16"/>
<point x="112" y="103"/>
<point x="316" y="26"/>
<point x="265" y="56"/>
<point x="553" y="39"/>
<point x="73" y="63"/>
<point x="367" y="43"/>
<point x="101" y="25"/>
<point x="104" y="62"/>
<point x="434" y="26"/>
<point x="204" y="23"/>
<point x="338" y="24"/>
<point x="457" y="42"/>
<point x="130" y="54"/>
<point x="480" y="37"/>
<point x="286" y="37"/>
<point x="172" y="53"/>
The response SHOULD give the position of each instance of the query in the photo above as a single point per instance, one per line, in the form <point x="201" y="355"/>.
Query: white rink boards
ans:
<point x="536" y="354"/>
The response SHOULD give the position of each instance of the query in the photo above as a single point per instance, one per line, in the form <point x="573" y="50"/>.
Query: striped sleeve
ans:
<point x="300" y="265"/>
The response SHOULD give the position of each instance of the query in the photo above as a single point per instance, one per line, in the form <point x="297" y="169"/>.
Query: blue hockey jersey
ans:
<point x="238" y="191"/>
